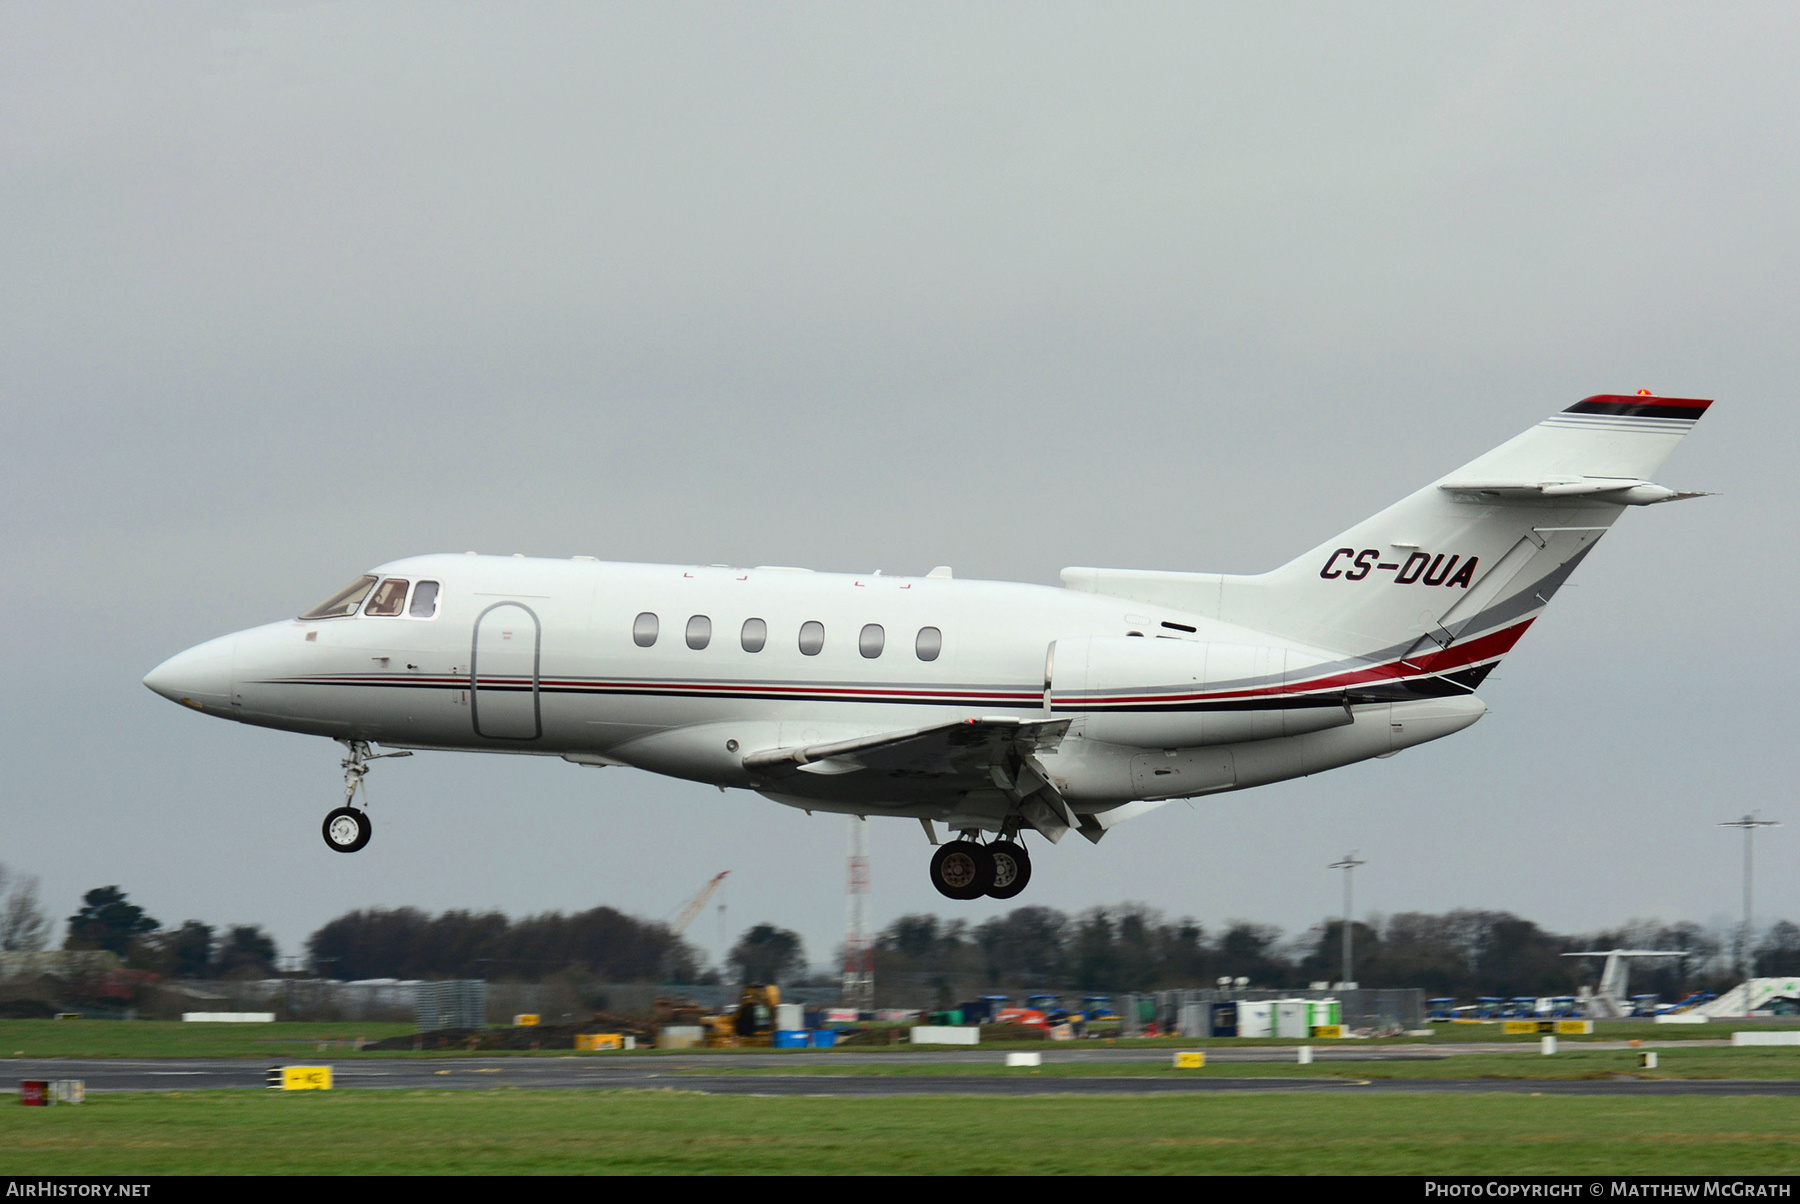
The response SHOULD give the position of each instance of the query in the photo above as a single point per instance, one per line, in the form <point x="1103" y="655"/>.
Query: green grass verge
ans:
<point x="654" y="1132"/>
<point x="1751" y="1063"/>
<point x="173" y="1039"/>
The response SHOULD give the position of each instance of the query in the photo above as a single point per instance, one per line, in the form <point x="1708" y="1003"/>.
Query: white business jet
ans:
<point x="994" y="709"/>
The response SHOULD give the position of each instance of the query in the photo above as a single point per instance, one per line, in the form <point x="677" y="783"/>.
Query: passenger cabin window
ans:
<point x="871" y="640"/>
<point x="344" y="602"/>
<point x="388" y="599"/>
<point x="643" y="630"/>
<point x="929" y="643"/>
<point x="755" y="635"/>
<point x="812" y="637"/>
<point x="424" y="601"/>
<point x="699" y="632"/>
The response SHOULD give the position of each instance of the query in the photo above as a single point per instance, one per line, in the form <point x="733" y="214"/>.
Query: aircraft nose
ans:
<point x="200" y="678"/>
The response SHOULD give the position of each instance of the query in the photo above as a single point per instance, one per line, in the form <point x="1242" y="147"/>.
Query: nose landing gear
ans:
<point x="348" y="829"/>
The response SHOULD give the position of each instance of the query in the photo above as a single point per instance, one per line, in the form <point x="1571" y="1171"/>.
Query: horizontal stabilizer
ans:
<point x="1623" y="490"/>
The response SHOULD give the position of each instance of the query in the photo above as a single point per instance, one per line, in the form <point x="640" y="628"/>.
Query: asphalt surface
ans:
<point x="687" y="1073"/>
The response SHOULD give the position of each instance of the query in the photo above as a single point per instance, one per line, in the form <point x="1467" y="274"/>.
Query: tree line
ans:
<point x="404" y="942"/>
<point x="1122" y="948"/>
<point x="109" y="920"/>
<point x="1462" y="954"/>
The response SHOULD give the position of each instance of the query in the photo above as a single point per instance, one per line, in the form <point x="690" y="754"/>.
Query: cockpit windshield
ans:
<point x="344" y="602"/>
<point x="389" y="598"/>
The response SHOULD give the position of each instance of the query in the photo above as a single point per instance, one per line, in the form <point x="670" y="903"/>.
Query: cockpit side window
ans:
<point x="424" y="601"/>
<point x="344" y="602"/>
<point x="389" y="597"/>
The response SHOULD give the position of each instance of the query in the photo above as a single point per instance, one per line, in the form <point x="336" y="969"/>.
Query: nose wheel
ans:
<point x="347" y="829"/>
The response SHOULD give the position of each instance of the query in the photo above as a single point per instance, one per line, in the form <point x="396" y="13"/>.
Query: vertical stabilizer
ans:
<point x="1443" y="583"/>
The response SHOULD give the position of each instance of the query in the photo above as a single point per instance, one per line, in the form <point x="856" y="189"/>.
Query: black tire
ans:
<point x="1012" y="869"/>
<point x="962" y="870"/>
<point x="347" y="830"/>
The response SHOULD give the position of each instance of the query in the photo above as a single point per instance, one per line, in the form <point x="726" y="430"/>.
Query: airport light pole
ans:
<point x="1348" y="865"/>
<point x="1749" y="824"/>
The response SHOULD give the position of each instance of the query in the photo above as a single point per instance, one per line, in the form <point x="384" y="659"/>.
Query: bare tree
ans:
<point x="24" y="928"/>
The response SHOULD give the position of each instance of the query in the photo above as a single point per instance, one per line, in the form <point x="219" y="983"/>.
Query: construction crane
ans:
<point x="692" y="907"/>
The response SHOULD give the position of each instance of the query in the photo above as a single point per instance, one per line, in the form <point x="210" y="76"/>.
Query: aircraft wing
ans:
<point x="968" y="754"/>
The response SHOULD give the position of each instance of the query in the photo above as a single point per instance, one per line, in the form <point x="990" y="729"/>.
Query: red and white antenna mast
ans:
<point x="859" y="945"/>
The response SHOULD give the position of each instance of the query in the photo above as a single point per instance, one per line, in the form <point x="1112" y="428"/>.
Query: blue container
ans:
<point x="789" y="1038"/>
<point x="824" y="1038"/>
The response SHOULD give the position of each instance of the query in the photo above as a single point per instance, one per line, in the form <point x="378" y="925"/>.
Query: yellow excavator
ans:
<point x="748" y="1026"/>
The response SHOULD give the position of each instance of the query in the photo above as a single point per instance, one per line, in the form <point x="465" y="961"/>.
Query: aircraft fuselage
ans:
<point x="553" y="657"/>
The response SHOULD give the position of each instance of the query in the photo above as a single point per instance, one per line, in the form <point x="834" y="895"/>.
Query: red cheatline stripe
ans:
<point x="602" y="685"/>
<point x="1457" y="656"/>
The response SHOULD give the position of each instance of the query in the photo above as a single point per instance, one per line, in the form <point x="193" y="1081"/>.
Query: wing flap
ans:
<point x="966" y="755"/>
<point x="965" y="748"/>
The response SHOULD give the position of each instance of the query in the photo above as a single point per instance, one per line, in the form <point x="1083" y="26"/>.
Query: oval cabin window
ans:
<point x="871" y="641"/>
<point x="755" y="635"/>
<point x="643" y="630"/>
<point x="929" y="643"/>
<point x="424" y="600"/>
<point x="812" y="637"/>
<point x="699" y="632"/>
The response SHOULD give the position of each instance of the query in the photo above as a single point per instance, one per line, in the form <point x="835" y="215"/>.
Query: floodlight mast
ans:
<point x="1348" y="865"/>
<point x="859" y="946"/>
<point x="1749" y="824"/>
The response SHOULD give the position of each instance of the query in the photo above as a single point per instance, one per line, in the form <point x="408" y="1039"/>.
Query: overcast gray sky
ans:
<point x="287" y="290"/>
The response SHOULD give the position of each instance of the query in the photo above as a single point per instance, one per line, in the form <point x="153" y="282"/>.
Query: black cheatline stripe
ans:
<point x="1629" y="409"/>
<point x="1272" y="702"/>
<point x="1459" y="684"/>
<point x="1442" y="685"/>
<point x="1033" y="703"/>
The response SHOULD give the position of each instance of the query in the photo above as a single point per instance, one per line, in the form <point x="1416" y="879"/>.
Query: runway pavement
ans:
<point x="688" y="1073"/>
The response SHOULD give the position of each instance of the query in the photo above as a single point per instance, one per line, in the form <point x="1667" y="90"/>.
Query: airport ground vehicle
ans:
<point x="991" y="708"/>
<point x="750" y="1023"/>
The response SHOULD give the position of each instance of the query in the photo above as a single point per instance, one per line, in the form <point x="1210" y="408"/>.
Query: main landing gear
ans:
<point x="348" y="829"/>
<point x="965" y="869"/>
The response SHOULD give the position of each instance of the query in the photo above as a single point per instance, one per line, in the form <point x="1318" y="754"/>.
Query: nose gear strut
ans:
<point x="348" y="829"/>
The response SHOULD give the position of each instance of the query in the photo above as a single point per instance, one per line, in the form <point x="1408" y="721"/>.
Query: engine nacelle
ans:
<point x="1157" y="693"/>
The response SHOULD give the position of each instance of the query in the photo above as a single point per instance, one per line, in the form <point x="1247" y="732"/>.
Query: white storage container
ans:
<point x="928" y="1034"/>
<point x="1256" y="1018"/>
<point x="1293" y="1018"/>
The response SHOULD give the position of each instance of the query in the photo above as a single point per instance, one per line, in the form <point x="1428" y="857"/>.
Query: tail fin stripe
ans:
<point x="1640" y="406"/>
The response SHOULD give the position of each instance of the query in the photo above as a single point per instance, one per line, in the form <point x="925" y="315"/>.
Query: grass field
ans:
<point x="171" y="1038"/>
<point x="651" y="1132"/>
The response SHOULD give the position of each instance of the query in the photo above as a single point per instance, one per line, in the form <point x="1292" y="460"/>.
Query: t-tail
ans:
<point x="1428" y="595"/>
